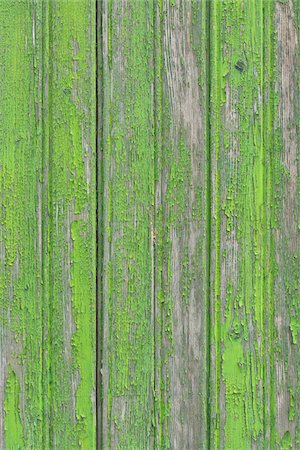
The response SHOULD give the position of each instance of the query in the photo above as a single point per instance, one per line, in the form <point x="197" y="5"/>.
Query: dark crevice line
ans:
<point x="208" y="216"/>
<point x="265" y="393"/>
<point x="98" y="231"/>
<point x="158" y="149"/>
<point x="154" y="219"/>
<point x="271" y="113"/>
<point x="163" y="218"/>
<point x="50" y="222"/>
<point x="156" y="100"/>
<point x="214" y="232"/>
<point x="268" y="111"/>
<point x="44" y="237"/>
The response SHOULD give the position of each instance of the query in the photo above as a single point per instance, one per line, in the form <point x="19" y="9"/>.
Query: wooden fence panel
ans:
<point x="149" y="224"/>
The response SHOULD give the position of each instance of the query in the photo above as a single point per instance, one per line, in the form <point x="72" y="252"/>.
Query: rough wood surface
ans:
<point x="21" y="308"/>
<point x="72" y="223"/>
<point x="284" y="159"/>
<point x="127" y="146"/>
<point x="255" y="209"/>
<point x="149" y="224"/>
<point x="181" y="225"/>
<point x="48" y="191"/>
<point x="240" y="234"/>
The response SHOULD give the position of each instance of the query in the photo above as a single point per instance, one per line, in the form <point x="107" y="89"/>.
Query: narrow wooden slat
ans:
<point x="127" y="176"/>
<point x="45" y="223"/>
<point x="72" y="227"/>
<point x="181" y="225"/>
<point x="284" y="161"/>
<point x="21" y="399"/>
<point x="240" y="229"/>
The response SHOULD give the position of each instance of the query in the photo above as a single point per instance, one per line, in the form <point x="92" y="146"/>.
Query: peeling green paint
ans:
<point x="12" y="423"/>
<point x="128" y="180"/>
<point x="72" y="227"/>
<point x="20" y="224"/>
<point x="198" y="224"/>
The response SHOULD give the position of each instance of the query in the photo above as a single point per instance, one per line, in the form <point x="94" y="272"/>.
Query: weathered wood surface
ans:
<point x="254" y="236"/>
<point x="21" y="252"/>
<point x="149" y="224"/>
<point x="285" y="224"/>
<point x="181" y="225"/>
<point x="71" y="181"/>
<point x="48" y="222"/>
<point x="126" y="259"/>
<point x="240" y="237"/>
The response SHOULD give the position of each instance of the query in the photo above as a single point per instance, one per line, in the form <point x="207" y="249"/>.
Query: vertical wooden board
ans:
<point x="127" y="215"/>
<point x="240" y="230"/>
<point x="21" y="399"/>
<point x="45" y="212"/>
<point x="284" y="159"/>
<point x="181" y="226"/>
<point x="72" y="227"/>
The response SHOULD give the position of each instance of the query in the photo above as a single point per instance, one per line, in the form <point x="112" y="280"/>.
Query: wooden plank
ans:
<point x="72" y="225"/>
<point x="284" y="160"/>
<point x="127" y="176"/>
<point x="181" y="225"/>
<point x="21" y="398"/>
<point x="240" y="229"/>
<point x="255" y="270"/>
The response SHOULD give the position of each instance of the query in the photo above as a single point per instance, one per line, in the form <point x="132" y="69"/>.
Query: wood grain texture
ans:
<point x="21" y="391"/>
<point x="127" y="216"/>
<point x="149" y="224"/>
<point x="181" y="226"/>
<point x="72" y="223"/>
<point x="240" y="229"/>
<point x="255" y="295"/>
<point x="286" y="225"/>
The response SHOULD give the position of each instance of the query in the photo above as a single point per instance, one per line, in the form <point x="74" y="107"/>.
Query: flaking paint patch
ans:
<point x="128" y="178"/>
<point x="20" y="271"/>
<point x="72" y="236"/>
<point x="239" y="224"/>
<point x="13" y="429"/>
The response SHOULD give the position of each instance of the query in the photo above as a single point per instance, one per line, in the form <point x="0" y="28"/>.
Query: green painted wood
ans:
<point x="181" y="229"/>
<point x="48" y="223"/>
<point x="72" y="223"/>
<point x="127" y="261"/>
<point x="255" y="245"/>
<point x="240" y="234"/>
<point x="283" y="117"/>
<point x="149" y="220"/>
<point x="21" y="192"/>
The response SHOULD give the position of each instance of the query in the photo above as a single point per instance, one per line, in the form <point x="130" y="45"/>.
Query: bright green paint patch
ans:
<point x="234" y="376"/>
<point x="292" y="404"/>
<point x="72" y="227"/>
<point x="82" y="276"/>
<point x="20" y="222"/>
<point x="286" y="442"/>
<point x="240" y="223"/>
<point x="295" y="328"/>
<point x="12" y="419"/>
